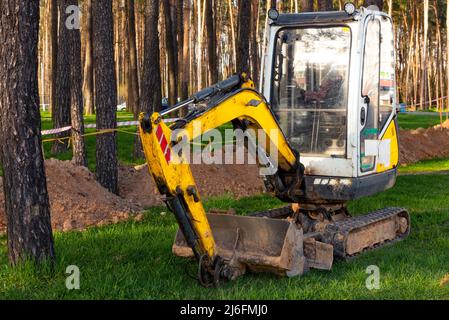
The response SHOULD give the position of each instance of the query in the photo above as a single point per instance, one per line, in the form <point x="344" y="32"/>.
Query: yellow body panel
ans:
<point x="176" y="175"/>
<point x="391" y="133"/>
<point x="260" y="117"/>
<point x="173" y="176"/>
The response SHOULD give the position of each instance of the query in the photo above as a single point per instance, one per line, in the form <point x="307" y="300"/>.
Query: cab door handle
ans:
<point x="364" y="111"/>
<point x="363" y="116"/>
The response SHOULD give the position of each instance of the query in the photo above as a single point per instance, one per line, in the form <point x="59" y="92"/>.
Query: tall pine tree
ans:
<point x="105" y="93"/>
<point x="24" y="183"/>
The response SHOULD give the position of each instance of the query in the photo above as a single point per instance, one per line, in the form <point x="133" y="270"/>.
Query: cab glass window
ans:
<point x="387" y="72"/>
<point x="310" y="88"/>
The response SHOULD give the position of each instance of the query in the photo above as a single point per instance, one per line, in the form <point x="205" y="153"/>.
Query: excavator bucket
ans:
<point x="272" y="242"/>
<point x="257" y="244"/>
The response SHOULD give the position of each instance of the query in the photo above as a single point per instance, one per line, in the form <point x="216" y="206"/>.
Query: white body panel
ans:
<point x="329" y="166"/>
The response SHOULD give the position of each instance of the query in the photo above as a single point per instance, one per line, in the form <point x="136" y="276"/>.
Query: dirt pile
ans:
<point x="422" y="144"/>
<point x="445" y="125"/>
<point x="77" y="200"/>
<point x="137" y="185"/>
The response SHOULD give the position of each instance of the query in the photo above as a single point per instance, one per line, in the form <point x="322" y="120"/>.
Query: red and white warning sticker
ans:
<point x="163" y="143"/>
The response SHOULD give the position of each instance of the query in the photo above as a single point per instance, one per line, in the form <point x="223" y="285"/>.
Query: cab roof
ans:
<point x="286" y="19"/>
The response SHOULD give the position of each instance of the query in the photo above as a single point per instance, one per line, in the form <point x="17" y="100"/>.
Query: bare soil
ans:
<point x="422" y="144"/>
<point x="136" y="184"/>
<point x="78" y="201"/>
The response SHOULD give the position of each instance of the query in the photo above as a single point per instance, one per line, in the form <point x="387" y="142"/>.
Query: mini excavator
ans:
<point x="328" y="89"/>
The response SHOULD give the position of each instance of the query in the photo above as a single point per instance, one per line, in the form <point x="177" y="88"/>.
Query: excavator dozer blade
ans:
<point x="257" y="244"/>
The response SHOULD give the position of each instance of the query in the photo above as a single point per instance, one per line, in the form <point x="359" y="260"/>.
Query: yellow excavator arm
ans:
<point x="237" y="101"/>
<point x="226" y="246"/>
<point x="347" y="154"/>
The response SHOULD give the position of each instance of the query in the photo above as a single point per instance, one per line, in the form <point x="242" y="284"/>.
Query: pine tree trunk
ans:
<point x="199" y="44"/>
<point x="88" y="86"/>
<point x="76" y="92"/>
<point x="325" y="5"/>
<point x="233" y="36"/>
<point x="193" y="51"/>
<point x="61" y="110"/>
<point x="151" y="96"/>
<point x="174" y="30"/>
<point x="218" y="21"/>
<point x="424" y="56"/>
<point x="141" y="37"/>
<point x="447" y="60"/>
<point x="181" y="44"/>
<point x="244" y="18"/>
<point x="116" y="45"/>
<point x="54" y="50"/>
<point x="186" y="53"/>
<point x="171" y="53"/>
<point x="211" y="43"/>
<point x="124" y="56"/>
<point x="132" y="72"/>
<point x="46" y="62"/>
<point x="307" y="5"/>
<point x="132" y="76"/>
<point x="254" y="43"/>
<point x="24" y="183"/>
<point x="440" y="66"/>
<point x="105" y="92"/>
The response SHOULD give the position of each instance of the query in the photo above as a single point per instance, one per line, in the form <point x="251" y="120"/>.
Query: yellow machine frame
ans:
<point x="174" y="178"/>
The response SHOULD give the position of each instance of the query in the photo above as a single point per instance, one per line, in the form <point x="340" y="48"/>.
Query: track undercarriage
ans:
<point x="290" y="240"/>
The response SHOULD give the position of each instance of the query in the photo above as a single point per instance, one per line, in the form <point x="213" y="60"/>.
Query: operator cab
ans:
<point x="330" y="80"/>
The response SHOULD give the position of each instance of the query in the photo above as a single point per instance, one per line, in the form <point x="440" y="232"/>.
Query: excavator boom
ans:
<point x="226" y="246"/>
<point x="240" y="103"/>
<point x="328" y="92"/>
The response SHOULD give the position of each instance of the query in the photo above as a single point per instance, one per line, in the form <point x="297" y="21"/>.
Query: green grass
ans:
<point x="431" y="165"/>
<point x="413" y="121"/>
<point x="134" y="261"/>
<point x="47" y="123"/>
<point x="125" y="141"/>
<point x="433" y="109"/>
